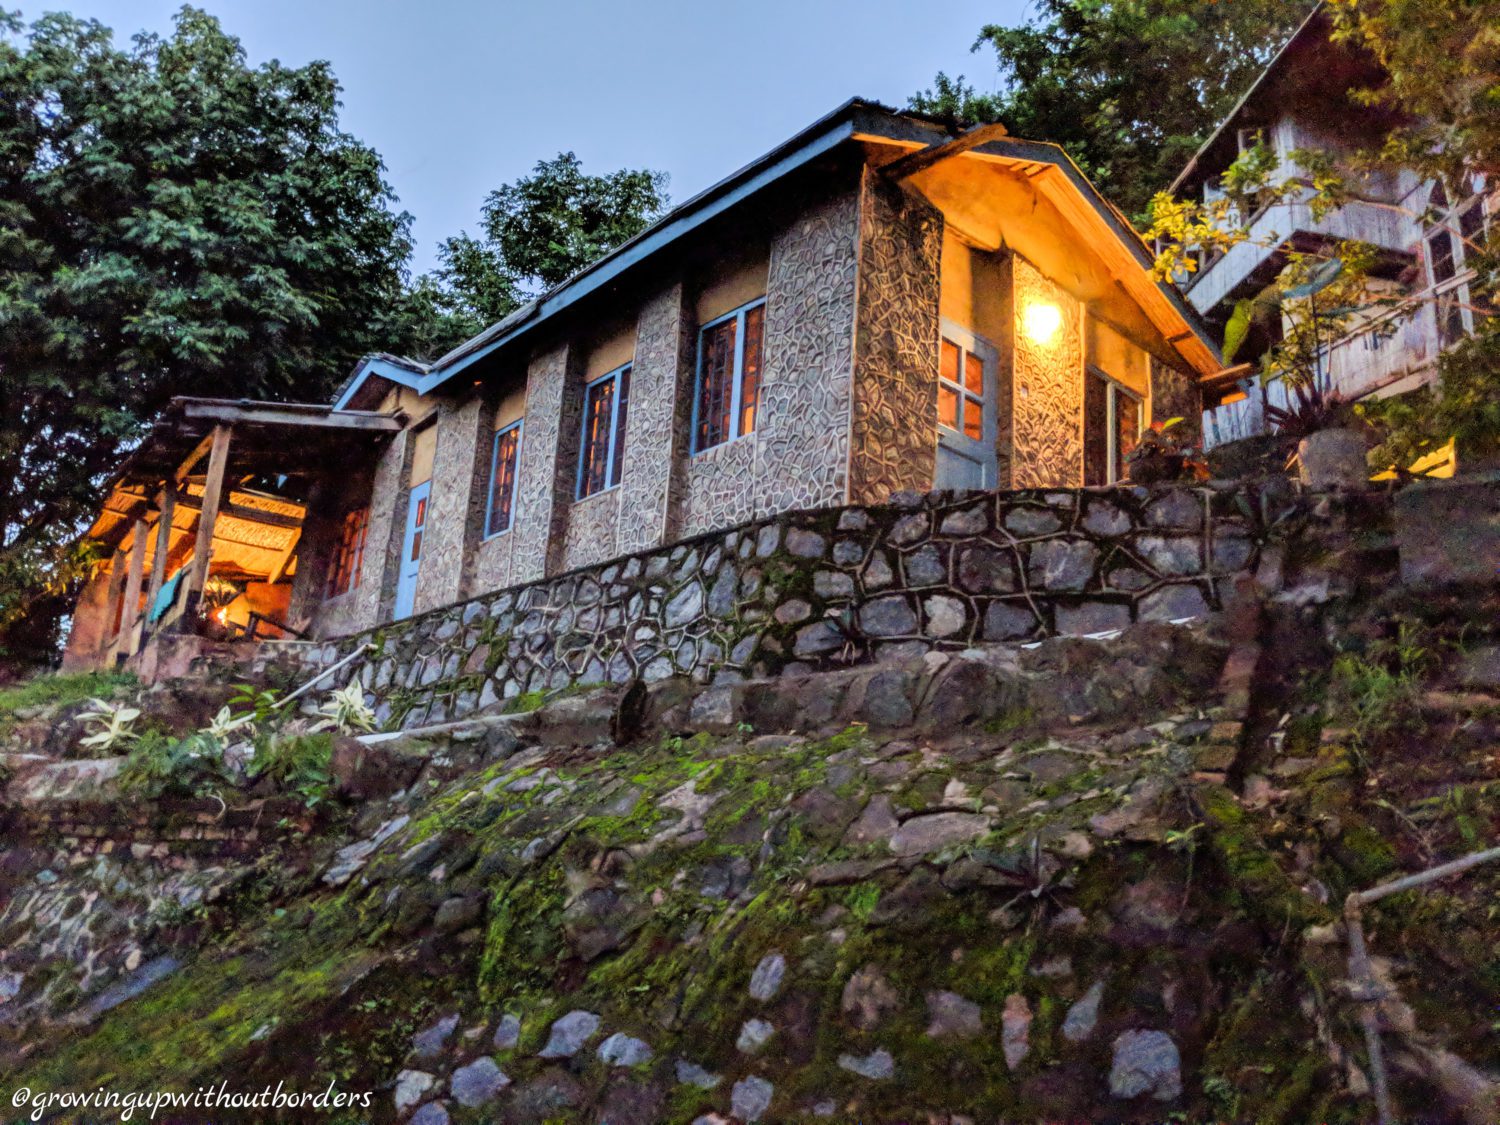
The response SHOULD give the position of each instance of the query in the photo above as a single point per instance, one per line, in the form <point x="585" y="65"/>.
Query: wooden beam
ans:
<point x="279" y="570"/>
<point x="241" y="512"/>
<point x="265" y="414"/>
<point x="213" y="490"/>
<point x="112" y="605"/>
<point x="904" y="167"/>
<point x="133" y="585"/>
<point x="168" y="507"/>
<point x="186" y="468"/>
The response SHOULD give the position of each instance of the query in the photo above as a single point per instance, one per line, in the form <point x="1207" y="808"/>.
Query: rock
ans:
<point x="1145" y="1062"/>
<point x="950" y="1014"/>
<point x="888" y="617"/>
<point x="508" y="1034"/>
<point x="945" y="615"/>
<point x="765" y="981"/>
<point x="1079" y="1023"/>
<point x="1062" y="564"/>
<point x="868" y="996"/>
<point x="477" y="1083"/>
<point x="622" y="1050"/>
<point x="432" y="1113"/>
<point x="410" y="1086"/>
<point x="569" y="1034"/>
<point x="457" y="913"/>
<point x="430" y="1041"/>
<point x="691" y="1074"/>
<point x="751" y="1098"/>
<point x="877" y="822"/>
<point x="1015" y="1033"/>
<point x="805" y="544"/>
<point x="1480" y="668"/>
<point x="877" y="1066"/>
<point x="754" y="1034"/>
<point x="936" y="831"/>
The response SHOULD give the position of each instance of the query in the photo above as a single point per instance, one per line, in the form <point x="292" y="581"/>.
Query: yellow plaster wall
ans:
<point x="975" y="285"/>
<point x="732" y="281"/>
<point x="424" y="450"/>
<point x="615" y="349"/>
<point x="1118" y="358"/>
<point x="511" y="407"/>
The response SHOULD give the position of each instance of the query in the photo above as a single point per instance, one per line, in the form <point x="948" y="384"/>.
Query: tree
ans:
<point x="536" y="233"/>
<point x="1130" y="89"/>
<point x="172" y="221"/>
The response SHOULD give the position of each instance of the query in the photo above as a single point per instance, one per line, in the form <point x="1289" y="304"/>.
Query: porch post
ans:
<point x="132" y="614"/>
<point x="112" y="605"/>
<point x="168" y="506"/>
<point x="213" y="488"/>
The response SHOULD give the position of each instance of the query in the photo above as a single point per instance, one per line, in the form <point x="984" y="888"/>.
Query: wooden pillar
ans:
<point x="133" y="577"/>
<point x="213" y="488"/>
<point x="168" y="505"/>
<point x="112" y="605"/>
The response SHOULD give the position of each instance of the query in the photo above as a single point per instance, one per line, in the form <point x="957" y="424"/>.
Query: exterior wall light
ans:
<point x="1041" y="321"/>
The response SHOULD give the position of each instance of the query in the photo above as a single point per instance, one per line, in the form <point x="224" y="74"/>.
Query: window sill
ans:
<point x="605" y="491"/>
<point x="333" y="598"/>
<point x="712" y="449"/>
<point x="504" y="531"/>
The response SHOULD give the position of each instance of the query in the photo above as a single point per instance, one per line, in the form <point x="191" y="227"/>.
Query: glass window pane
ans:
<point x="416" y="546"/>
<point x="973" y="374"/>
<point x="715" y="389"/>
<point x="1471" y="222"/>
<point x="948" y="367"/>
<point x="1440" y="254"/>
<point x="598" y="407"/>
<point x="421" y="511"/>
<point x="1127" y="429"/>
<point x="503" y="480"/>
<point x="947" y="407"/>
<point x="755" y="321"/>
<point x="974" y="419"/>
<point x="623" y="379"/>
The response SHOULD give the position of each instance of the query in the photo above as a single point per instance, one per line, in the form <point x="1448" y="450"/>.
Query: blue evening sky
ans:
<point x="460" y="96"/>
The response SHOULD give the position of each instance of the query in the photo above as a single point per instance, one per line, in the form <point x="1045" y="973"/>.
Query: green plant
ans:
<point x="345" y="711"/>
<point x="225" y="723"/>
<point x="299" y="763"/>
<point x="263" y="703"/>
<point x="1378" y="691"/>
<point x="158" y="766"/>
<point x="113" y="725"/>
<point x="61" y="689"/>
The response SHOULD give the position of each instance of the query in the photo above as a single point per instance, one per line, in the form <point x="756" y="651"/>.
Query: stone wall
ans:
<point x="893" y="428"/>
<point x="1047" y="390"/>
<point x="533" y="526"/>
<point x="449" y="536"/>
<point x="655" y="435"/>
<point x="827" y="588"/>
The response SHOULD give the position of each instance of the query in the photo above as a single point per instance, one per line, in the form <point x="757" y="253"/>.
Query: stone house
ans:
<point x="1301" y="103"/>
<point x="876" y="306"/>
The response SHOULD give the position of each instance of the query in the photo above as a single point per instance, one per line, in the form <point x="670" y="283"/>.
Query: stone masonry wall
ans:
<point x="826" y="588"/>
<point x="896" y="343"/>
<point x="1047" y="391"/>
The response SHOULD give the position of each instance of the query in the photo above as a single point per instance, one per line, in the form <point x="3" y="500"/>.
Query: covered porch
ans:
<point x="203" y="526"/>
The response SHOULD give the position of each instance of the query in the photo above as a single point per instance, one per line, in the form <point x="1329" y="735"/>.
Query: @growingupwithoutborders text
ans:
<point x="183" y="1105"/>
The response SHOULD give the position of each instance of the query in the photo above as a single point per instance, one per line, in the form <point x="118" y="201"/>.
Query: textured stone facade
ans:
<point x="537" y="515"/>
<point x="592" y="526"/>
<point x="802" y="434"/>
<point x="827" y="588"/>
<point x="896" y="343"/>
<point x="660" y="393"/>
<point x="1047" y="389"/>
<point x="451" y="530"/>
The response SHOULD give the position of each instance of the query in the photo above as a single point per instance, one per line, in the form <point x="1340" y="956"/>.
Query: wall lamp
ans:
<point x="1041" y="320"/>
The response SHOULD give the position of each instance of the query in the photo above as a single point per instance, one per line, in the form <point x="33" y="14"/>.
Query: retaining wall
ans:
<point x="827" y="588"/>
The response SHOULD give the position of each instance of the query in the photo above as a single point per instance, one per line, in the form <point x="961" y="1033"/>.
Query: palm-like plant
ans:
<point x="113" y="725"/>
<point x="345" y="711"/>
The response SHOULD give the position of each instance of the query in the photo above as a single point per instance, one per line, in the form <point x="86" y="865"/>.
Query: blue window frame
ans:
<point x="505" y="460"/>
<point x="726" y="390"/>
<point x="602" y="451"/>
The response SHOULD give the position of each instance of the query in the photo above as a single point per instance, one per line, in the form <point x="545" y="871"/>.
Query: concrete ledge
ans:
<point x="1448" y="532"/>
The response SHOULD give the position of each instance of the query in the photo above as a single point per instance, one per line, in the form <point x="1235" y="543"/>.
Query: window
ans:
<point x="961" y="391"/>
<point x="1112" y="418"/>
<point x="349" y="554"/>
<point x="729" y="365"/>
<point x="604" y="405"/>
<point x="1453" y="235"/>
<point x="504" y="456"/>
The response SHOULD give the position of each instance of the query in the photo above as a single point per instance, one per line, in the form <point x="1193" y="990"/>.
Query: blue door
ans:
<point x="967" y="427"/>
<point x="411" y="549"/>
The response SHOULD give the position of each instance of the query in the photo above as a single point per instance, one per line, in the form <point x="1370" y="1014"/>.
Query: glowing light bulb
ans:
<point x="1042" y="319"/>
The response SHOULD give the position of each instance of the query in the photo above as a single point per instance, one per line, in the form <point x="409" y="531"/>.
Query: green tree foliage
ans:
<point x="1129" y="87"/>
<point x="172" y="221"/>
<point x="536" y="233"/>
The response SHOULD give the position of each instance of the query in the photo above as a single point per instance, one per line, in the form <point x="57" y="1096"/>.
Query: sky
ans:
<point x="460" y="97"/>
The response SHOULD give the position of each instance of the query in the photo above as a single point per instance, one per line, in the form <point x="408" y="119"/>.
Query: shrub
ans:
<point x="297" y="763"/>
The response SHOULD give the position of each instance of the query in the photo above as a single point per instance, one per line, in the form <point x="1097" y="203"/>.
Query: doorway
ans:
<point x="968" y="386"/>
<point x="411" y="549"/>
